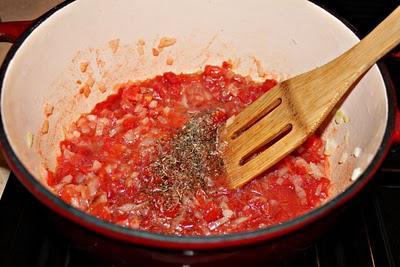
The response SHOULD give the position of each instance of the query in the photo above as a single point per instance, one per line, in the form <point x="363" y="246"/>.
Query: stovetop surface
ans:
<point x="368" y="234"/>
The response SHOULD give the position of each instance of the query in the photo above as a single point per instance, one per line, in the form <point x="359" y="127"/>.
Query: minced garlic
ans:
<point x="341" y="117"/>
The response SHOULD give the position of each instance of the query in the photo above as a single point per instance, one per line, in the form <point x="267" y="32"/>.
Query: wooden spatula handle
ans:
<point x="375" y="45"/>
<point x="380" y="41"/>
<point x="336" y="78"/>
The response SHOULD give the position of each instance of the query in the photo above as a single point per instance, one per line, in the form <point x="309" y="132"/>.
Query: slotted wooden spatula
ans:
<point x="282" y="119"/>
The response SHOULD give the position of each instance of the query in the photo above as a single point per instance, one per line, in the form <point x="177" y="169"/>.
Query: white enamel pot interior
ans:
<point x="288" y="37"/>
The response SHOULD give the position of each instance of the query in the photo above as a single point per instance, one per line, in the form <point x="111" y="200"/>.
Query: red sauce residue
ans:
<point x="104" y="166"/>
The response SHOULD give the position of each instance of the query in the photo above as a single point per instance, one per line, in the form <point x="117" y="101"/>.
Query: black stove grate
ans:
<point x="368" y="234"/>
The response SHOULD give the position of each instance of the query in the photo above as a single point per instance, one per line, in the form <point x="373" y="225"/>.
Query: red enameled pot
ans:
<point x="288" y="37"/>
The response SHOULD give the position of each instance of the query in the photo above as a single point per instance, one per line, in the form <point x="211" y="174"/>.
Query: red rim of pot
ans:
<point x="189" y="242"/>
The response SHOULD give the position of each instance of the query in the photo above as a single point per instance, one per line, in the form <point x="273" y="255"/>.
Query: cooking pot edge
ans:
<point x="391" y="136"/>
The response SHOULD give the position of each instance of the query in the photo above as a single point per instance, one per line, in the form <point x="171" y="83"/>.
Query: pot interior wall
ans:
<point x="287" y="37"/>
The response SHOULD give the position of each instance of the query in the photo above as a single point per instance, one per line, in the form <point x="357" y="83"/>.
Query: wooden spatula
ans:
<point x="282" y="119"/>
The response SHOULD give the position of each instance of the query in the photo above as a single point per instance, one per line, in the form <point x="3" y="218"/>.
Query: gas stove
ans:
<point x="367" y="234"/>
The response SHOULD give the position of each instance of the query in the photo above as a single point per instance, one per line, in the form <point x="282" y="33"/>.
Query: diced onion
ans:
<point x="93" y="186"/>
<point x="127" y="207"/>
<point x="215" y="224"/>
<point x="145" y="121"/>
<point x="139" y="108"/>
<point x="112" y="132"/>
<point x="227" y="213"/>
<point x="68" y="154"/>
<point x="298" y="186"/>
<point x="357" y="152"/>
<point x="162" y="120"/>
<point x="130" y="137"/>
<point x="80" y="178"/>
<point x="75" y="202"/>
<point x="318" y="190"/>
<point x="92" y="125"/>
<point x="153" y="104"/>
<point x="96" y="165"/>
<point x="147" y="141"/>
<point x="343" y="158"/>
<point x="76" y="133"/>
<point x="101" y="199"/>
<point x="230" y="120"/>
<point x="110" y="168"/>
<point x="283" y="171"/>
<point x="330" y="146"/>
<point x="155" y="131"/>
<point x="167" y="110"/>
<point x="67" y="179"/>
<point x="100" y="126"/>
<point x="223" y="205"/>
<point x="316" y="171"/>
<point x="92" y="117"/>
<point x="184" y="101"/>
<point x="356" y="173"/>
<point x="240" y="220"/>
<point x="233" y="89"/>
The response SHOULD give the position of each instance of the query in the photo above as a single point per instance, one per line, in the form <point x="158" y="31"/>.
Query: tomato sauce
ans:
<point x="104" y="165"/>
